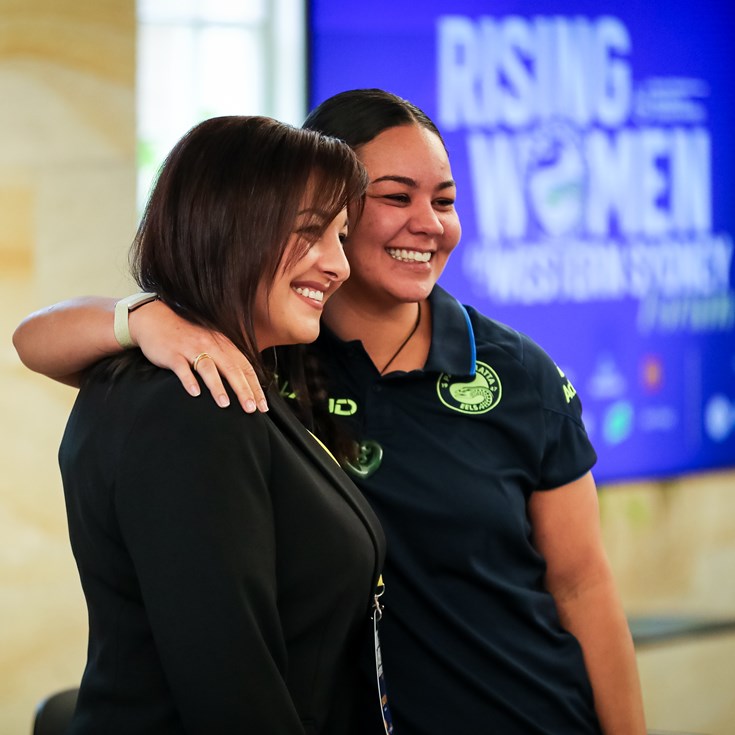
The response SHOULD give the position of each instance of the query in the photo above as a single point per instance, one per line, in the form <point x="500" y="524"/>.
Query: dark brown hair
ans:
<point x="221" y="212"/>
<point x="359" y="115"/>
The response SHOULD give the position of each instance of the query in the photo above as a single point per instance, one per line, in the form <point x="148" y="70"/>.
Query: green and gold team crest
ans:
<point x="479" y="395"/>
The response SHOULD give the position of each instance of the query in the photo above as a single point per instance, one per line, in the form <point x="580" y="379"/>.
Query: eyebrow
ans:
<point x="407" y="181"/>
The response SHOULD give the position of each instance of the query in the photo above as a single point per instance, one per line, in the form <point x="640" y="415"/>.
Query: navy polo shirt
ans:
<point x="471" y="639"/>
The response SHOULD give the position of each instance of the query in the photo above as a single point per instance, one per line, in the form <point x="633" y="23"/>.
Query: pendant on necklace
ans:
<point x="369" y="457"/>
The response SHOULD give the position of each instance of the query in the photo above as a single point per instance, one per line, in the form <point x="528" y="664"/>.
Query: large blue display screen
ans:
<point x="593" y="148"/>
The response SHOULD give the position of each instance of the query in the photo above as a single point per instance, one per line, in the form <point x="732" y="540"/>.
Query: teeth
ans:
<point x="310" y="293"/>
<point x="409" y="256"/>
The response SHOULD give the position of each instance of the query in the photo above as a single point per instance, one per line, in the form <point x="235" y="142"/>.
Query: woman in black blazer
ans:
<point x="228" y="564"/>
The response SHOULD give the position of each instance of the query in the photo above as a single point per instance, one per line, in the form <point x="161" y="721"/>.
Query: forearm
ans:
<point x="64" y="339"/>
<point x="595" y="616"/>
<point x="579" y="577"/>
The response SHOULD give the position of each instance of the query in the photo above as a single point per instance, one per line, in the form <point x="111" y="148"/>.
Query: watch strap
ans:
<point x="122" y="310"/>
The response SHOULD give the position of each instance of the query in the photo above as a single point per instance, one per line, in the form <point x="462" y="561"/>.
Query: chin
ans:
<point x="414" y="288"/>
<point x="414" y="292"/>
<point x="305" y="336"/>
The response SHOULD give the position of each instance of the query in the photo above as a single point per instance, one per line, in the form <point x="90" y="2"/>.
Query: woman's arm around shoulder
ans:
<point x="63" y="340"/>
<point x="566" y="531"/>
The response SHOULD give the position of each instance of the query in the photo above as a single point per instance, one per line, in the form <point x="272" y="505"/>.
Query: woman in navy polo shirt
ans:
<point x="503" y="614"/>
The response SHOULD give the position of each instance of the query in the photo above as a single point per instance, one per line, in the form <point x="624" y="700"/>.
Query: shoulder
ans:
<point x="517" y="351"/>
<point x="490" y="332"/>
<point x="146" y="405"/>
<point x="187" y="455"/>
<point x="492" y="335"/>
<point x="533" y="379"/>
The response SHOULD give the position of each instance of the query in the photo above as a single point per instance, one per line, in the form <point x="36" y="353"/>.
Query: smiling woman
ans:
<point x="410" y="224"/>
<point x="503" y="613"/>
<point x="289" y="309"/>
<point x="200" y="534"/>
<point x="241" y="208"/>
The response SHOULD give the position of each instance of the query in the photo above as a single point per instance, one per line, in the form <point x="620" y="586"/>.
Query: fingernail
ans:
<point x="195" y="390"/>
<point x="263" y="405"/>
<point x="223" y="401"/>
<point x="250" y="406"/>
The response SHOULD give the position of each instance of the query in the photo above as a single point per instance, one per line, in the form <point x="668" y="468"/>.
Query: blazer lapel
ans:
<point x="287" y="422"/>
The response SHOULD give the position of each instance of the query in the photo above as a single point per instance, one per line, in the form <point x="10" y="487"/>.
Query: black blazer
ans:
<point x="227" y="562"/>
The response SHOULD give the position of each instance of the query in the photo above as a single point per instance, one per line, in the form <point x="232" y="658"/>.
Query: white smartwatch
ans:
<point x="122" y="311"/>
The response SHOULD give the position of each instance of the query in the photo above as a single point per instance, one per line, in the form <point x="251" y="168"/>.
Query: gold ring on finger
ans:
<point x="200" y="356"/>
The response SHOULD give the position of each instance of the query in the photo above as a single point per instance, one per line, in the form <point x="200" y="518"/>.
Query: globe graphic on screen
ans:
<point x="556" y="178"/>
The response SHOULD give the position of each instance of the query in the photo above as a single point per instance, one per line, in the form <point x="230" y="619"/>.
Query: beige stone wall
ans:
<point x="67" y="149"/>
<point x="672" y="546"/>
<point x="67" y="215"/>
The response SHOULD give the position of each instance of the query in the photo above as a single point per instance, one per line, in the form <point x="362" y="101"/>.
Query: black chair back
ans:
<point x="53" y="714"/>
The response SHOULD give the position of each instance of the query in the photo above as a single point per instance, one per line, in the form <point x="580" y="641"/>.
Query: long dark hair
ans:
<point x="221" y="212"/>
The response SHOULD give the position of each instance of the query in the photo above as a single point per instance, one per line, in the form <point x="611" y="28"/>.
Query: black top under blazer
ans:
<point x="227" y="562"/>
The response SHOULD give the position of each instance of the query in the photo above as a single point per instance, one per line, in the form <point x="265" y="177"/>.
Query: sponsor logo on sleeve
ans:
<point x="567" y="387"/>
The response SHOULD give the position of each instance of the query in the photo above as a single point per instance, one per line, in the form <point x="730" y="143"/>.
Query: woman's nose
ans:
<point x="334" y="262"/>
<point x="425" y="219"/>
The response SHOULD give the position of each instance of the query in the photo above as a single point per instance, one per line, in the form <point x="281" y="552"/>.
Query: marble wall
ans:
<point x="67" y="215"/>
<point x="672" y="547"/>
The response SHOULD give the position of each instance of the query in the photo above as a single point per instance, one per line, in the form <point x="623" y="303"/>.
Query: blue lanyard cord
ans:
<point x="471" y="334"/>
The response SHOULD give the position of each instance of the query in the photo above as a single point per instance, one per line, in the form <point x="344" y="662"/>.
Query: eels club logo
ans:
<point x="479" y="395"/>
